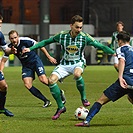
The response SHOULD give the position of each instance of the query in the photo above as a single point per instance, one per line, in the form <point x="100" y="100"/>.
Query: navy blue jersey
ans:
<point x="27" y="59"/>
<point x="126" y="52"/>
<point x="2" y="41"/>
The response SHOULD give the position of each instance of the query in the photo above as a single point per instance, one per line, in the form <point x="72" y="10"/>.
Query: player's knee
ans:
<point x="28" y="86"/>
<point x="77" y="75"/>
<point x="52" y="80"/>
<point x="44" y="80"/>
<point x="3" y="87"/>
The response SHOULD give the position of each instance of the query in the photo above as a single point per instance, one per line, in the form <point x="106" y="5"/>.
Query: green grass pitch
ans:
<point x="30" y="117"/>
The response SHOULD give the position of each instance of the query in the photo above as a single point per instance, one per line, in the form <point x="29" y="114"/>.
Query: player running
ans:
<point x="31" y="63"/>
<point x="3" y="84"/>
<point x="124" y="83"/>
<point x="73" y="62"/>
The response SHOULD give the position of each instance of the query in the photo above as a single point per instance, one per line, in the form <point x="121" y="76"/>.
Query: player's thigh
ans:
<point x="115" y="91"/>
<point x="103" y="99"/>
<point x="28" y="75"/>
<point x="77" y="72"/>
<point x="3" y="85"/>
<point x="28" y="72"/>
<point x="78" y="69"/>
<point x="39" y="67"/>
<point x="60" y="72"/>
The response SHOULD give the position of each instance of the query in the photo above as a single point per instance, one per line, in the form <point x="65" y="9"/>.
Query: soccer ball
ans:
<point x="81" y="113"/>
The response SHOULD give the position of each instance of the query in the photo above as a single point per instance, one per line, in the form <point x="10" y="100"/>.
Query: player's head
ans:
<point x="119" y="26"/>
<point x="13" y="37"/>
<point x="76" y="25"/>
<point x="123" y="37"/>
<point x="76" y="18"/>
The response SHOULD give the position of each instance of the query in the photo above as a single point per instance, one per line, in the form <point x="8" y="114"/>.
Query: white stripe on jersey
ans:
<point x="27" y="38"/>
<point x="4" y="47"/>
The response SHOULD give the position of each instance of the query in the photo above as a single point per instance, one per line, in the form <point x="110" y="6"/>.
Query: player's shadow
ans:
<point x="102" y="125"/>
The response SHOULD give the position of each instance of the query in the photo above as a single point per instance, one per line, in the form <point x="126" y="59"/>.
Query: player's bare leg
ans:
<point x="34" y="91"/>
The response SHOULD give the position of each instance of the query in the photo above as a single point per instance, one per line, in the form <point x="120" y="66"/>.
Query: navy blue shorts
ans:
<point x="29" y="71"/>
<point x="115" y="91"/>
<point x="1" y="76"/>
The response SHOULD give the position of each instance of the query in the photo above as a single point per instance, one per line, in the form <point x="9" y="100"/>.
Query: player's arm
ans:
<point x="91" y="41"/>
<point x="121" y="70"/>
<point x="8" y="49"/>
<point x="51" y="59"/>
<point x="2" y="63"/>
<point x="39" y="45"/>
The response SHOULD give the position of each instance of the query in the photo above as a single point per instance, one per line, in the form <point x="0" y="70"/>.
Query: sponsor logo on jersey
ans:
<point x="72" y="49"/>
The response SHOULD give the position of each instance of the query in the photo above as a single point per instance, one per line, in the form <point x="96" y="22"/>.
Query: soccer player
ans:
<point x="31" y="63"/>
<point x="73" y="42"/>
<point x="124" y="83"/>
<point x="114" y="42"/>
<point x="3" y="84"/>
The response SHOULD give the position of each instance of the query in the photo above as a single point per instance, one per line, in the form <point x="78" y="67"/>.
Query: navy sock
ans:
<point x="2" y="99"/>
<point x="93" y="111"/>
<point x="38" y="94"/>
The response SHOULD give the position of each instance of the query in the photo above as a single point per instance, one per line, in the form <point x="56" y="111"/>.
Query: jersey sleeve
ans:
<point x="56" y="37"/>
<point x="2" y="41"/>
<point x="112" y="41"/>
<point x="120" y="54"/>
<point x="92" y="42"/>
<point x="42" y="43"/>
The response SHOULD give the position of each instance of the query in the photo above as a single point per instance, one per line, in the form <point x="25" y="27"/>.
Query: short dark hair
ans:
<point x="124" y="36"/>
<point x="12" y="31"/>
<point x="119" y="22"/>
<point x="76" y="18"/>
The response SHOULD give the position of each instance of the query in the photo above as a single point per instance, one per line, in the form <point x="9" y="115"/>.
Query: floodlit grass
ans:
<point x="30" y="117"/>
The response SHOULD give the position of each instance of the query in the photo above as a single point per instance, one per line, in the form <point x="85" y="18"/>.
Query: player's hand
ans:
<point x="25" y="50"/>
<point x="13" y="50"/>
<point x="123" y="83"/>
<point x="52" y="60"/>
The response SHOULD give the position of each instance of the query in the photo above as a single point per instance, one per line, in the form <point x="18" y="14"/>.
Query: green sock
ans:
<point x="55" y="91"/>
<point x="81" y="87"/>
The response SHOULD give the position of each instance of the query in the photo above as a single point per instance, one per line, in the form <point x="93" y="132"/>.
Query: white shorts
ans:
<point x="115" y="60"/>
<point x="63" y="71"/>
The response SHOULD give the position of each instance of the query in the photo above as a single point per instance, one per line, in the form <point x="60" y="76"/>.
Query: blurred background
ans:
<point x="40" y="19"/>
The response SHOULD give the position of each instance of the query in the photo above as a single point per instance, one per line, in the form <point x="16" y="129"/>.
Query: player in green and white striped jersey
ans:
<point x="114" y="42"/>
<point x="73" y="62"/>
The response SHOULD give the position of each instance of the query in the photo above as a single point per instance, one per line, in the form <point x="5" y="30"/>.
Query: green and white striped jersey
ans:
<point x="114" y="41"/>
<point x="73" y="48"/>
